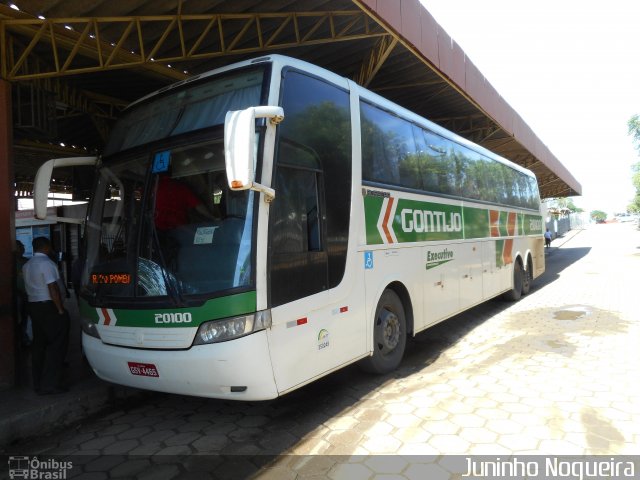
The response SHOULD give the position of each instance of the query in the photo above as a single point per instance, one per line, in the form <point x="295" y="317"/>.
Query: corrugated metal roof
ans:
<point x="419" y="66"/>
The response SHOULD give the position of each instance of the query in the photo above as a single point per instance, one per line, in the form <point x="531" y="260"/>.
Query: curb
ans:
<point x="24" y="414"/>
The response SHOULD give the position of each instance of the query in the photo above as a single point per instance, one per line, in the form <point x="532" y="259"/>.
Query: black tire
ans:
<point x="515" y="293"/>
<point x="389" y="335"/>
<point x="527" y="278"/>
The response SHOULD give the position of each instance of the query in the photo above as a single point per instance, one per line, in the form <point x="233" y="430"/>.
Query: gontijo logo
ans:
<point x="400" y="220"/>
<point x="430" y="221"/>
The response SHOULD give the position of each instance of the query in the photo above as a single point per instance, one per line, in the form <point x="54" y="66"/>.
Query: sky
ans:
<point x="571" y="69"/>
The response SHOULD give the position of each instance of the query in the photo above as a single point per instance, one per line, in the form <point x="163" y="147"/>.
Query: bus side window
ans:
<point x="298" y="259"/>
<point x="296" y="221"/>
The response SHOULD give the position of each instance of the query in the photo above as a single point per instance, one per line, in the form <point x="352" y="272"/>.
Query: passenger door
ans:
<point x="317" y="325"/>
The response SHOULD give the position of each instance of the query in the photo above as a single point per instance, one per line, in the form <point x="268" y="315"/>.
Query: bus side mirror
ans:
<point x="240" y="146"/>
<point x="43" y="180"/>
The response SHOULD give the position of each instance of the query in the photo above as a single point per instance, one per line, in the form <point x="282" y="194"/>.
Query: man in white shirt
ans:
<point x="50" y="319"/>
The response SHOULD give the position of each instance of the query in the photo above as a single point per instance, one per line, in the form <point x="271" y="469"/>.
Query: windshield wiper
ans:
<point x="174" y="289"/>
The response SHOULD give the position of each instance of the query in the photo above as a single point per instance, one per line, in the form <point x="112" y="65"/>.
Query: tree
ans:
<point x="598" y="215"/>
<point x="572" y="206"/>
<point x="634" y="131"/>
<point x="566" y="202"/>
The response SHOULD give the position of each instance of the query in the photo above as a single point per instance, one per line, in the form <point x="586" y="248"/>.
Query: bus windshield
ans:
<point x="167" y="225"/>
<point x="163" y="224"/>
<point x="192" y="107"/>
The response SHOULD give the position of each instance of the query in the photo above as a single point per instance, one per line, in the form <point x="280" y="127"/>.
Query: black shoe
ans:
<point x="53" y="391"/>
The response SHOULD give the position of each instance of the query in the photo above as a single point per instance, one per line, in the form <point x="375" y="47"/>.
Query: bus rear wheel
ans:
<point x="518" y="280"/>
<point x="389" y="335"/>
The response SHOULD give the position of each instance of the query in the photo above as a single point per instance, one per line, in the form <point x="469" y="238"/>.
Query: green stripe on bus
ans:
<point x="372" y="207"/>
<point x="418" y="221"/>
<point x="476" y="222"/>
<point x="216" y="308"/>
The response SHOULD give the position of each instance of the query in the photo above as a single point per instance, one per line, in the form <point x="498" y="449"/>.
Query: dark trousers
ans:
<point x="49" y="347"/>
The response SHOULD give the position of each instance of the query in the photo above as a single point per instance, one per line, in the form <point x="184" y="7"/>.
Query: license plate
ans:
<point x="143" y="369"/>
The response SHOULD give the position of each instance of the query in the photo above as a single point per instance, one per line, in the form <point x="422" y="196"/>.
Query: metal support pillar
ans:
<point x="7" y="242"/>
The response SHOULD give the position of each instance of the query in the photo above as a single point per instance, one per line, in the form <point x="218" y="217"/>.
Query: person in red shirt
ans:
<point x="174" y="203"/>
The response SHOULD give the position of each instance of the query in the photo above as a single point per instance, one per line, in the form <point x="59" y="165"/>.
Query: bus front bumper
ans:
<point x="238" y="369"/>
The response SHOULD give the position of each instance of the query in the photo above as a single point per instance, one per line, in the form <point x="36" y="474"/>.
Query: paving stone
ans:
<point x="430" y="471"/>
<point x="104" y="463"/>
<point x="382" y="445"/>
<point x="159" y="472"/>
<point x="518" y="443"/>
<point x="130" y="468"/>
<point x="116" y="429"/>
<point x="450" y="444"/>
<point x="504" y="426"/>
<point x="476" y="435"/>
<point x="440" y="427"/>
<point x="175" y="450"/>
<point x="412" y="435"/>
<point x="351" y="471"/>
<point x="277" y="443"/>
<point x="468" y="420"/>
<point x="157" y="436"/>
<point x="97" y="443"/>
<point x="210" y="443"/>
<point x="147" y="449"/>
<point x="378" y="429"/>
<point x="370" y="414"/>
<point x="243" y="434"/>
<point x="398" y="408"/>
<point x="382" y="464"/>
<point x="121" y="447"/>
<point x="132" y="433"/>
<point x="193" y="426"/>
<point x="253" y="421"/>
<point x="182" y="439"/>
<point x="341" y="423"/>
<point x="313" y="446"/>
<point x="559" y="447"/>
<point x="403" y="421"/>
<point x="344" y="437"/>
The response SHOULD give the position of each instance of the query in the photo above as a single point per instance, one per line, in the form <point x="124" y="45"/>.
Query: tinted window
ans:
<point x="398" y="152"/>
<point x="310" y="216"/>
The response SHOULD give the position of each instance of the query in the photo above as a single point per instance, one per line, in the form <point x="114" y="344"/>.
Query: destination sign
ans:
<point x="110" y="278"/>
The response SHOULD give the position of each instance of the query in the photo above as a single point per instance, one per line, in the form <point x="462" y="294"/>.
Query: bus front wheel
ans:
<point x="389" y="335"/>
<point x="527" y="278"/>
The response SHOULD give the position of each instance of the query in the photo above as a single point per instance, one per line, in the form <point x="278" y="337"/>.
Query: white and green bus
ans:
<point x="260" y="226"/>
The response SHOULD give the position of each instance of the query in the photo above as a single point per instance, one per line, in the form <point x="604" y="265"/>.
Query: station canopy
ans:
<point x="75" y="65"/>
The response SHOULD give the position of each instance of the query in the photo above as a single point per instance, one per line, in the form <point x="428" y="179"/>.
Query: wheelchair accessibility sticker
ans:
<point x="368" y="260"/>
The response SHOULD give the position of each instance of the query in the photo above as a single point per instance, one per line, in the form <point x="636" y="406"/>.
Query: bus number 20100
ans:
<point x="178" y="317"/>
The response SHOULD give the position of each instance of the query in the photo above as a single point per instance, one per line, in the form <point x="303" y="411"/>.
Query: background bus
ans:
<point x="262" y="225"/>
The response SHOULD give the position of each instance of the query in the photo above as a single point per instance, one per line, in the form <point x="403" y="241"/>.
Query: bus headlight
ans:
<point x="89" y="328"/>
<point x="230" y="328"/>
